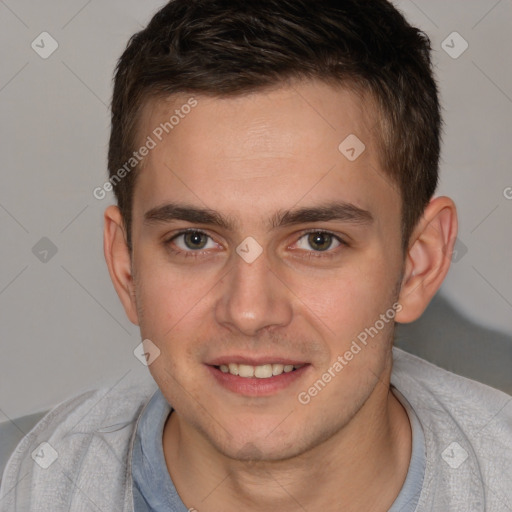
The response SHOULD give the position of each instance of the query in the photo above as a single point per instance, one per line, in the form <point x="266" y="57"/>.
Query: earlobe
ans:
<point x="428" y="258"/>
<point x="117" y="256"/>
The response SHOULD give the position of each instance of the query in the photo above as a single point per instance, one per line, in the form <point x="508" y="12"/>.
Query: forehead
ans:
<point x="262" y="119"/>
<point x="280" y="146"/>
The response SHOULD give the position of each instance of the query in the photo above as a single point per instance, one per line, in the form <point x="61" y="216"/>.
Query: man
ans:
<point x="274" y="164"/>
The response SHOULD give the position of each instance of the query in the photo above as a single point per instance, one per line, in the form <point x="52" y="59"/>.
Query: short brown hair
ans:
<point x="228" y="47"/>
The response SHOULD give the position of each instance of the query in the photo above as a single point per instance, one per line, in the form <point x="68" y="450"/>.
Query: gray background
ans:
<point x="62" y="327"/>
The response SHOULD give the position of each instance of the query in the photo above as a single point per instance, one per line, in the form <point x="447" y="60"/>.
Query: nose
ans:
<point x="253" y="298"/>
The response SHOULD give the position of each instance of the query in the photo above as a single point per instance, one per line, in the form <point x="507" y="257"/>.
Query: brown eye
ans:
<point x="190" y="241"/>
<point x="320" y="241"/>
<point x="195" y="240"/>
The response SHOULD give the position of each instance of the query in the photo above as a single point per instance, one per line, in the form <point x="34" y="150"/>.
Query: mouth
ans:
<point x="261" y="378"/>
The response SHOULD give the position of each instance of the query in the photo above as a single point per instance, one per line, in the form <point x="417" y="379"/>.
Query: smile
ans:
<point x="257" y="380"/>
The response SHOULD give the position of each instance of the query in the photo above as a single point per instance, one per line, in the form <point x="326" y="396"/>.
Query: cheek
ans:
<point x="165" y="298"/>
<point x="177" y="315"/>
<point x="345" y="301"/>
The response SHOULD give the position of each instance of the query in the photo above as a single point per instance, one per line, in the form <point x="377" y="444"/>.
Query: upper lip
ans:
<point x="254" y="361"/>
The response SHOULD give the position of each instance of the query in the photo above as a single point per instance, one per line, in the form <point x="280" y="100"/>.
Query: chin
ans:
<point x="243" y="446"/>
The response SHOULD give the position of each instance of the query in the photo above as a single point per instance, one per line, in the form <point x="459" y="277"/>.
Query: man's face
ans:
<point x="264" y="172"/>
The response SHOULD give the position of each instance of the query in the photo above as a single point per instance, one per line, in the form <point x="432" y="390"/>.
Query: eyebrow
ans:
<point x="337" y="211"/>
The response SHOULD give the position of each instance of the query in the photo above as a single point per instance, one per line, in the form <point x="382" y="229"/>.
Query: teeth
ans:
<point x="277" y="369"/>
<point x="263" y="371"/>
<point x="244" y="370"/>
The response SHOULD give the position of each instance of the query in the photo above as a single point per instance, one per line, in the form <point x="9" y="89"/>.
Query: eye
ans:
<point x="318" y="241"/>
<point x="193" y="241"/>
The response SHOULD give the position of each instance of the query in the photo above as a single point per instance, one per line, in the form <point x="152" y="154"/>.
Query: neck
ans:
<point x="351" y="467"/>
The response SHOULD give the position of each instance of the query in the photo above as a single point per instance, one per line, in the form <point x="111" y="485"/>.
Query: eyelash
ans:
<point x="329" y="253"/>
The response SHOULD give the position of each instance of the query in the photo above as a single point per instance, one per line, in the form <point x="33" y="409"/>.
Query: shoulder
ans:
<point x="434" y="390"/>
<point x="78" y="450"/>
<point x="460" y="394"/>
<point x="467" y="427"/>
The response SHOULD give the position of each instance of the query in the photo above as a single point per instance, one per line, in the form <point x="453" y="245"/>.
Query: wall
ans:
<point x="62" y="327"/>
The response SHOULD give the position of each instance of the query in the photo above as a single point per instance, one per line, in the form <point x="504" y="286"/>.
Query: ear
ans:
<point x="428" y="258"/>
<point x="117" y="256"/>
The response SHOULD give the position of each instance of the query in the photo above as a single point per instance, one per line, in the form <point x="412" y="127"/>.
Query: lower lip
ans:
<point x="252" y="386"/>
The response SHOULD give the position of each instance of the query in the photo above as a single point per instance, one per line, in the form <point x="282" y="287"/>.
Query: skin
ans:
<point x="252" y="158"/>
